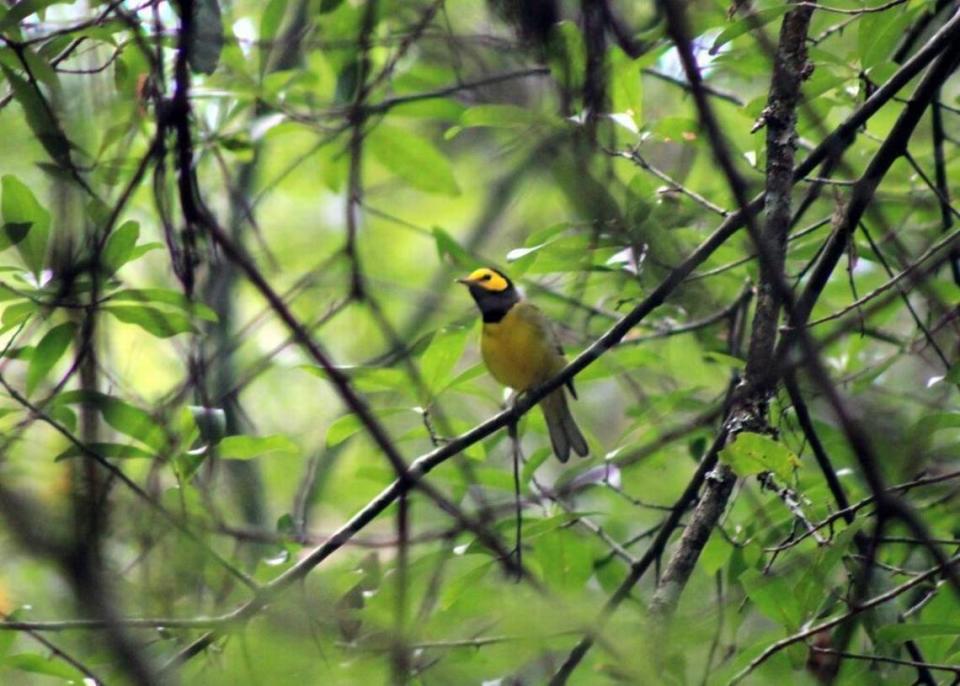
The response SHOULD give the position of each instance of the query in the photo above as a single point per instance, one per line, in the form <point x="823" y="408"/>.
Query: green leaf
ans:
<point x="150" y="319"/>
<point x="249" y="447"/>
<point x="270" y="21"/>
<point x="447" y="246"/>
<point x="48" y="351"/>
<point x="346" y="426"/>
<point x="7" y="293"/>
<point x="879" y="34"/>
<point x="675" y="129"/>
<point x="350" y="424"/>
<point x="343" y="428"/>
<point x="113" y="450"/>
<point x="753" y="453"/>
<point x="14" y="314"/>
<point x="502" y="116"/>
<point x="773" y="595"/>
<point x="414" y="159"/>
<point x="24" y="9"/>
<point x="132" y="421"/>
<point x="347" y="79"/>
<point x="567" y="55"/>
<point x="462" y="585"/>
<point x="46" y="129"/>
<point x="626" y="87"/>
<point x="187" y="463"/>
<point x="533" y="463"/>
<point x="119" y="414"/>
<point x="495" y="116"/>
<point x="39" y="68"/>
<point x="467" y="374"/>
<point x="166" y="296"/>
<point x="756" y="19"/>
<point x="438" y="362"/>
<point x="20" y="208"/>
<point x="119" y="247"/>
<point x="204" y="50"/>
<point x="13" y="233"/>
<point x="715" y="554"/>
<point x="143" y="249"/>
<point x="564" y="559"/>
<point x="65" y="416"/>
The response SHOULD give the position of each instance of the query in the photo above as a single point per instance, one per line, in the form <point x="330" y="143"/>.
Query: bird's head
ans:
<point x="493" y="291"/>
<point x="487" y="279"/>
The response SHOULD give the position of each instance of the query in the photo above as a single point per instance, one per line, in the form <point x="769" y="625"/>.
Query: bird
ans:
<point x="521" y="350"/>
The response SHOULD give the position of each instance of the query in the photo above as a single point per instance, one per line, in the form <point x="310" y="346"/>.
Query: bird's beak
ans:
<point x="465" y="282"/>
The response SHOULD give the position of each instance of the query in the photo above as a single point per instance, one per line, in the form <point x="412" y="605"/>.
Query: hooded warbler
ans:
<point x="521" y="350"/>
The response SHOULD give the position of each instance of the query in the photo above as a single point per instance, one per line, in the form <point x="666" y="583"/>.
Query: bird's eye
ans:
<point x="486" y="277"/>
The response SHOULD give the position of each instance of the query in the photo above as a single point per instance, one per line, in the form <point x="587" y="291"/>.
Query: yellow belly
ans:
<point x="517" y="354"/>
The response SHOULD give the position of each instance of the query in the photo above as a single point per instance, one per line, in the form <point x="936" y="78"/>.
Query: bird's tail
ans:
<point x="564" y="432"/>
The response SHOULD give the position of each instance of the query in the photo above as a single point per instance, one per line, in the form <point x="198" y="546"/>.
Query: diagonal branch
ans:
<point x="750" y="407"/>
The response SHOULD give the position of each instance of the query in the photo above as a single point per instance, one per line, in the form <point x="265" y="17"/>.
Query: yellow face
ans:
<point x="487" y="279"/>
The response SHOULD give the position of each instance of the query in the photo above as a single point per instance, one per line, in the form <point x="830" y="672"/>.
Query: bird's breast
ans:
<point x="516" y="353"/>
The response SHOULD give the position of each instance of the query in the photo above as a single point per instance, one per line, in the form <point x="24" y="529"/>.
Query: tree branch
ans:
<point x="829" y="624"/>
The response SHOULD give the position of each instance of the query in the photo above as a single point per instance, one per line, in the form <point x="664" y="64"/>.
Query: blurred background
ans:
<point x="365" y="154"/>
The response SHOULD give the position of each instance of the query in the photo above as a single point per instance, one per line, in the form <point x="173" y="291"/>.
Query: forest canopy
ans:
<point x="248" y="435"/>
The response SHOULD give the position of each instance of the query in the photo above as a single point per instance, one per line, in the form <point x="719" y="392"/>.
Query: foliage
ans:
<point x="229" y="238"/>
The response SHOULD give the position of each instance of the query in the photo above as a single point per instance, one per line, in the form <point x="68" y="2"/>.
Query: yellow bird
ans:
<point x="521" y="350"/>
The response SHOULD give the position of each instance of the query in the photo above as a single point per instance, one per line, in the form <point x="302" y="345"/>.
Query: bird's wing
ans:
<point x="537" y="319"/>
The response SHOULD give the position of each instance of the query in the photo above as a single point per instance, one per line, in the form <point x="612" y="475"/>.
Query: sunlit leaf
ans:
<point x="414" y="159"/>
<point x="17" y="313"/>
<point x="715" y="554"/>
<point x="753" y="453"/>
<point x="26" y="222"/>
<point x="119" y="246"/>
<point x="152" y="320"/>
<point x="120" y="415"/>
<point x="270" y="21"/>
<point x="165" y="296"/>
<point x="626" y="90"/>
<point x="343" y="428"/>
<point x="40" y="119"/>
